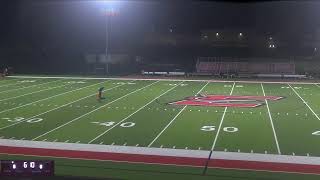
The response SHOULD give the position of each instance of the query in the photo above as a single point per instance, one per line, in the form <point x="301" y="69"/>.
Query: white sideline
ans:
<point x="93" y="111"/>
<point x="174" y="118"/>
<point x="29" y="86"/>
<point x="28" y="93"/>
<point x="106" y="131"/>
<point x="221" y="122"/>
<point x="315" y="114"/>
<point x="62" y="105"/>
<point x="273" y="158"/>
<point x="171" y="79"/>
<point x="270" y="117"/>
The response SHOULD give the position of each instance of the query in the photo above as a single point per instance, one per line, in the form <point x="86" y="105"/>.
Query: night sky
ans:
<point x="27" y="20"/>
<point x="58" y="29"/>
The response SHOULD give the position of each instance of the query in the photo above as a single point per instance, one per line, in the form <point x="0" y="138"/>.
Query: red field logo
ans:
<point x="226" y="101"/>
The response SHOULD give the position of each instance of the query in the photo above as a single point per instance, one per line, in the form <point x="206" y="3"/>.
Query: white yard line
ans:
<point x="171" y="79"/>
<point x="30" y="86"/>
<point x="29" y="93"/>
<point x="64" y="104"/>
<point x="93" y="111"/>
<point x="40" y="99"/>
<point x="133" y="113"/>
<point x="315" y="114"/>
<point x="221" y="121"/>
<point x="174" y="118"/>
<point x="271" y="121"/>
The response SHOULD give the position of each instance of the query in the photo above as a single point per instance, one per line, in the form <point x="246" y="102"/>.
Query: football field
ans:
<point x="249" y="117"/>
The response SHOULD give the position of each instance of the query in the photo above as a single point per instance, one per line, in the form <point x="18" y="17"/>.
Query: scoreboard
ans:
<point x="26" y="168"/>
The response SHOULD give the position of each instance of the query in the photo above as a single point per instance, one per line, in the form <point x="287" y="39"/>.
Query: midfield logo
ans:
<point x="226" y="101"/>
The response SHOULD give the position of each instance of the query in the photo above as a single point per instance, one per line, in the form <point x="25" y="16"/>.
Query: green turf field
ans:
<point x="136" y="113"/>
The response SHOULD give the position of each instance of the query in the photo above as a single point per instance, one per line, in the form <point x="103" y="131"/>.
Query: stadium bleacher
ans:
<point x="235" y="67"/>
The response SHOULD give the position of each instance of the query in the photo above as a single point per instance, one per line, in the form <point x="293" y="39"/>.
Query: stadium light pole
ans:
<point x="108" y="12"/>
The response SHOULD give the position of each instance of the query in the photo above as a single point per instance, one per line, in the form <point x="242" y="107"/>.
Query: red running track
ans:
<point x="164" y="160"/>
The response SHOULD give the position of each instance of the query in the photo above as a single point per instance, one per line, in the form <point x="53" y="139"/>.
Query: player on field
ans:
<point x="99" y="95"/>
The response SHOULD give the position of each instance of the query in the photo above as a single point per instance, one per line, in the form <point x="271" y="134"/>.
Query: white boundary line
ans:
<point x="29" y="86"/>
<point x="30" y="93"/>
<point x="315" y="114"/>
<point x="174" y="118"/>
<point x="132" y="114"/>
<point x="75" y="119"/>
<point x="221" y="121"/>
<point x="171" y="79"/>
<point x="40" y="99"/>
<point x="217" y="155"/>
<point x="64" y="104"/>
<point x="271" y="121"/>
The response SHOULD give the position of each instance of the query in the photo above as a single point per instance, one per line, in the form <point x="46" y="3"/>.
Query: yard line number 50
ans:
<point x="213" y="128"/>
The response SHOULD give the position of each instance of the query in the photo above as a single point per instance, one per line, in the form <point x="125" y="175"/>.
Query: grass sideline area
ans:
<point x="175" y="114"/>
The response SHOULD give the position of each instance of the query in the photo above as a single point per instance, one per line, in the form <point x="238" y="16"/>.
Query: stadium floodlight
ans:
<point x="315" y="49"/>
<point x="270" y="46"/>
<point x="240" y="34"/>
<point x="270" y="38"/>
<point x="110" y="9"/>
<point x="217" y="34"/>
